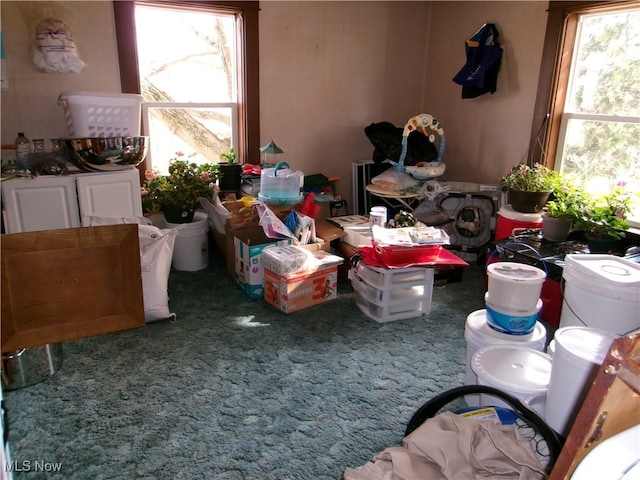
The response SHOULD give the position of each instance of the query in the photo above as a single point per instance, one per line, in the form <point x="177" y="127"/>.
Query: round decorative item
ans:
<point x="176" y="214"/>
<point x="556" y="229"/>
<point x="528" y="202"/>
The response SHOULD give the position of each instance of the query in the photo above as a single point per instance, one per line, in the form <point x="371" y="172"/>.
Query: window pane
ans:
<point x="205" y="132"/>
<point x="185" y="55"/>
<point x="600" y="153"/>
<point x="606" y="65"/>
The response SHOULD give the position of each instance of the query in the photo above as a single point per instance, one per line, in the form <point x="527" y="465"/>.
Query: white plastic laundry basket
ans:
<point x="102" y="115"/>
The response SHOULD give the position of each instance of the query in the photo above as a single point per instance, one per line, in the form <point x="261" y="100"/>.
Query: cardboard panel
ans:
<point x="61" y="285"/>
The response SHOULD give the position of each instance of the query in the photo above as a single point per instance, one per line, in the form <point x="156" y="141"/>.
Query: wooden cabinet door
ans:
<point x="41" y="203"/>
<point x="61" y="285"/>
<point x="110" y="194"/>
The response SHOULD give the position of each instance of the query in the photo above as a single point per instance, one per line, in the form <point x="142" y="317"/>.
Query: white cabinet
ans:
<point x="53" y="202"/>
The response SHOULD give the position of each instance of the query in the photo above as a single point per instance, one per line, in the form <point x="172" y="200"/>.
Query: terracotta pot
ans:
<point x="556" y="229"/>
<point x="528" y="202"/>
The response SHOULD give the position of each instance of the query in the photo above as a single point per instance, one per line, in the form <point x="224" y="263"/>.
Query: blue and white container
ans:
<point x="513" y="321"/>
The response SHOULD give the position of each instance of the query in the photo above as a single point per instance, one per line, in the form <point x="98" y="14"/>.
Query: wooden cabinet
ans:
<point x="612" y="405"/>
<point x="54" y="202"/>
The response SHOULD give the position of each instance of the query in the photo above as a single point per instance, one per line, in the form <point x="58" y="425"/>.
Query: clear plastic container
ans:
<point x="280" y="185"/>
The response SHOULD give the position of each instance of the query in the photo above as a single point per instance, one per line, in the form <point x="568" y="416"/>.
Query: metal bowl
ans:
<point x="107" y="154"/>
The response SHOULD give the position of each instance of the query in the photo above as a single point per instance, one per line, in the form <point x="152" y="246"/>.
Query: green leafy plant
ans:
<point x="568" y="199"/>
<point x="605" y="216"/>
<point x="182" y="187"/>
<point x="229" y="157"/>
<point x="536" y="178"/>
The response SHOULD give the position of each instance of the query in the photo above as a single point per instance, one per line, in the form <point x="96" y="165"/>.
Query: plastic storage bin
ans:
<point x="387" y="295"/>
<point x="281" y="186"/>
<point x="102" y="115"/>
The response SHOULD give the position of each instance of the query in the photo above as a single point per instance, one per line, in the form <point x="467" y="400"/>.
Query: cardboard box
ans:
<point x="299" y="290"/>
<point x="248" y="270"/>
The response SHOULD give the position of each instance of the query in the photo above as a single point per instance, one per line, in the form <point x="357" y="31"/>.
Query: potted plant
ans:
<point x="229" y="172"/>
<point x="560" y="212"/>
<point x="603" y="219"/>
<point x="177" y="194"/>
<point x="529" y="187"/>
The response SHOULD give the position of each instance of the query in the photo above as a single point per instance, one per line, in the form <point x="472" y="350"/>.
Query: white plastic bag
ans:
<point x="156" y="253"/>
<point x="393" y="180"/>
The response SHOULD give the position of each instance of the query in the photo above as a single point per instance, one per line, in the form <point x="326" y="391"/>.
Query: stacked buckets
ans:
<point x="513" y="297"/>
<point x="505" y="341"/>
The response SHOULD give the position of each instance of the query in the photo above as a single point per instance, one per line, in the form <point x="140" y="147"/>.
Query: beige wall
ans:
<point x="29" y="105"/>
<point x="328" y="69"/>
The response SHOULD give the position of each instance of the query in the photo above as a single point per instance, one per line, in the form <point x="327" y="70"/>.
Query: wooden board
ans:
<point x="61" y="285"/>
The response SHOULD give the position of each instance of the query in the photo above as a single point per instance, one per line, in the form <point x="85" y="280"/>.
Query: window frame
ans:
<point x="562" y="26"/>
<point x="549" y="117"/>
<point x="248" y="70"/>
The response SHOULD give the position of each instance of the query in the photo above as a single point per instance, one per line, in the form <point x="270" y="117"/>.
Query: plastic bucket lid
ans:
<point x="508" y="212"/>
<point x="604" y="275"/>
<point x="516" y="272"/>
<point x="582" y="345"/>
<point x="513" y="368"/>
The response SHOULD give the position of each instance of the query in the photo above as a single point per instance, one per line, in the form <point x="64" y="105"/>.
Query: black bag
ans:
<point x="387" y="141"/>
<point x="479" y="75"/>
<point x="433" y="406"/>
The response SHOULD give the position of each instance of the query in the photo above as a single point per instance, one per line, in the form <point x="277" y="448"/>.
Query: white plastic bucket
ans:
<point x="478" y="334"/>
<point x="577" y="355"/>
<point x="601" y="292"/>
<point x="514" y="285"/>
<point x="191" y="249"/>
<point x="519" y="371"/>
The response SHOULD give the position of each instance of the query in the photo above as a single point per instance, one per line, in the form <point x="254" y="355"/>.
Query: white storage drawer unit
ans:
<point x="54" y="202"/>
<point x="385" y="295"/>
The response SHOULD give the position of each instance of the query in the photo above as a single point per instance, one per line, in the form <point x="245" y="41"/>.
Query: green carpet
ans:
<point x="235" y="389"/>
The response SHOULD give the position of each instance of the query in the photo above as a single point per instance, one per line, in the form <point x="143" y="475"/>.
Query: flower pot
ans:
<point x="555" y="229"/>
<point x="177" y="214"/>
<point x="528" y="202"/>
<point x="230" y="177"/>
<point x="600" y="244"/>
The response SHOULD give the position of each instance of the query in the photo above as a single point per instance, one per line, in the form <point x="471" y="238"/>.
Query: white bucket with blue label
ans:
<point x="513" y="321"/>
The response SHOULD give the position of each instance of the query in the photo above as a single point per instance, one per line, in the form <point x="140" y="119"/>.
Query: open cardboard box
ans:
<point x="253" y="234"/>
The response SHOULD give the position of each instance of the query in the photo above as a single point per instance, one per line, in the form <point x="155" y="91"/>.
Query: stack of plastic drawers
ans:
<point x="385" y="295"/>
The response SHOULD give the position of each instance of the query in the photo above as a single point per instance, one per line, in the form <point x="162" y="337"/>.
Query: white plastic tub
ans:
<point x="478" y="334"/>
<point x="519" y="371"/>
<point x="191" y="248"/>
<point x="601" y="292"/>
<point x="514" y="285"/>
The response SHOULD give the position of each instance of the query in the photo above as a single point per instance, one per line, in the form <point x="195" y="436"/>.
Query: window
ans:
<point x="195" y="63"/>
<point x="594" y="128"/>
